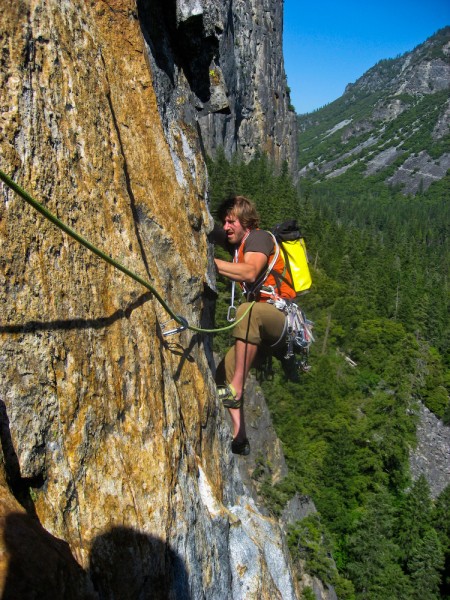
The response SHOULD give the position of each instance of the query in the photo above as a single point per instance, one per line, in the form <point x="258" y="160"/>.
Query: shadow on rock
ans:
<point x="128" y="565"/>
<point x="38" y="564"/>
<point x="124" y="565"/>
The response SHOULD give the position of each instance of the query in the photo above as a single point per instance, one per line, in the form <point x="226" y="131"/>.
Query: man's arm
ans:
<point x="246" y="272"/>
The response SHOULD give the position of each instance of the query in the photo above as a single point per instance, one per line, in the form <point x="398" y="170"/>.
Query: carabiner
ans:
<point x="231" y="314"/>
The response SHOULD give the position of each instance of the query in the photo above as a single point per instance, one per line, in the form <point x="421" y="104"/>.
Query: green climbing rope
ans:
<point x="76" y="236"/>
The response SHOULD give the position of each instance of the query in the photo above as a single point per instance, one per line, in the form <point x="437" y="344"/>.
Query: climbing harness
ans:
<point x="182" y="322"/>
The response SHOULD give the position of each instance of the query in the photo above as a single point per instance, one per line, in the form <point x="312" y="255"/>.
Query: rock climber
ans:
<point x="259" y="268"/>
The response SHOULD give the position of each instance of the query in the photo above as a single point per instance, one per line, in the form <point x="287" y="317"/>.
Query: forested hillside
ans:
<point x="379" y="303"/>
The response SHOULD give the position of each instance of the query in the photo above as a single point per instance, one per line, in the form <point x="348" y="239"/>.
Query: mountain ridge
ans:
<point x="396" y="114"/>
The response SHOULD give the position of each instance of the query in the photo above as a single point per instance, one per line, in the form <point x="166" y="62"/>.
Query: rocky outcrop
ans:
<point x="423" y="71"/>
<point x="221" y="63"/>
<point x="114" y="443"/>
<point x="417" y="173"/>
<point x="431" y="456"/>
<point x="24" y="572"/>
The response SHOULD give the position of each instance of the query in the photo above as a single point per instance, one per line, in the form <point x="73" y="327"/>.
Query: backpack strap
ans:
<point x="258" y="285"/>
<point x="279" y="277"/>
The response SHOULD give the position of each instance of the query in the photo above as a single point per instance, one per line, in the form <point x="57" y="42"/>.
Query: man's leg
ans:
<point x="244" y="357"/>
<point x="267" y="322"/>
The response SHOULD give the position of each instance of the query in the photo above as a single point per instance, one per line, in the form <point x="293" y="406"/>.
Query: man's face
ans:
<point x="234" y="230"/>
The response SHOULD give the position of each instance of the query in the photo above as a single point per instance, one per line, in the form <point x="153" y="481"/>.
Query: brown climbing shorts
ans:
<point x="264" y="324"/>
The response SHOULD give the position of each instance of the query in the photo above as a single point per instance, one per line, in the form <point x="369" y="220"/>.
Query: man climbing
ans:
<point x="259" y="268"/>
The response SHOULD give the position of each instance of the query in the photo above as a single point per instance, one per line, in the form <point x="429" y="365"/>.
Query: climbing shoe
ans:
<point x="227" y="395"/>
<point x="242" y="447"/>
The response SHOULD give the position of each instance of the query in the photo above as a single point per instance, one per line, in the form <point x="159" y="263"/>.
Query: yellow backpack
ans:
<point x="293" y="247"/>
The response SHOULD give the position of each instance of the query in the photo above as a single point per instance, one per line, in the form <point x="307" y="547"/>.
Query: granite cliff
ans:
<point x="220" y="64"/>
<point x="116" y="477"/>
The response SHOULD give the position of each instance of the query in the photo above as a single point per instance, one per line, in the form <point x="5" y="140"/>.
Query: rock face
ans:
<point x="221" y="63"/>
<point x="116" y="453"/>
<point x="431" y="457"/>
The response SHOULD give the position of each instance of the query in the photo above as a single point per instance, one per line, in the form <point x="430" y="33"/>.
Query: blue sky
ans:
<point x="330" y="43"/>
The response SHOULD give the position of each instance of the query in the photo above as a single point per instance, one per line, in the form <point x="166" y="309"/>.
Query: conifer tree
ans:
<point x="373" y="554"/>
<point x="424" y="566"/>
<point x="379" y="299"/>
<point x="441" y="523"/>
<point x="414" y="519"/>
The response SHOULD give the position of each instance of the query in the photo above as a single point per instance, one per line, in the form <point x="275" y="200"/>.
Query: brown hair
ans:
<point x="241" y="208"/>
